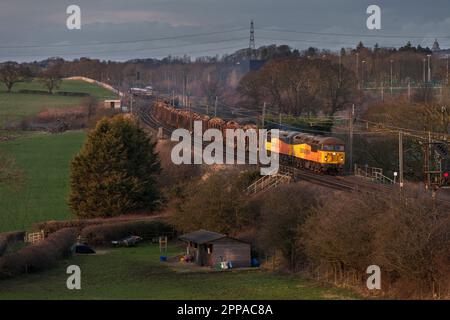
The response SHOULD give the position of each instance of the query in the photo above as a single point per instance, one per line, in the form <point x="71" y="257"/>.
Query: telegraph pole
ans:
<point x="409" y="90"/>
<point x="447" y="71"/>
<point x="357" y="68"/>
<point x="429" y="68"/>
<point x="400" y="158"/>
<point x="190" y="111"/>
<point x="391" y="75"/>
<point x="340" y="69"/>
<point x="424" y="78"/>
<point x="350" y="152"/>
<point x="131" y="104"/>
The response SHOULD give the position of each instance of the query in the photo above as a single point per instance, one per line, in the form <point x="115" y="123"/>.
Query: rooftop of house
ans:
<point x="202" y="236"/>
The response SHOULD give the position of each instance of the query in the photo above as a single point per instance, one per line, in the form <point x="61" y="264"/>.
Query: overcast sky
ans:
<point x="36" y="29"/>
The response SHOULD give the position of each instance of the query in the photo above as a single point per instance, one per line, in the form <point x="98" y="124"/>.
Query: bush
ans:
<point x="412" y="245"/>
<point x="283" y="212"/>
<point x="115" y="172"/>
<point x="72" y="94"/>
<point x="407" y="235"/>
<point x="40" y="256"/>
<point x="9" y="238"/>
<point x="172" y="175"/>
<point x="105" y="233"/>
<point x="338" y="238"/>
<point x="215" y="203"/>
<point x="53" y="226"/>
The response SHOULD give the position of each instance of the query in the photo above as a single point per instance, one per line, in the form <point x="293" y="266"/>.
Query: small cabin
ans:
<point x="207" y="248"/>
<point x="112" y="104"/>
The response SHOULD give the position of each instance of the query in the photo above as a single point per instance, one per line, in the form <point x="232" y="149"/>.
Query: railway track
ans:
<point x="145" y="115"/>
<point x="341" y="183"/>
<point x="321" y="180"/>
<point x="148" y="119"/>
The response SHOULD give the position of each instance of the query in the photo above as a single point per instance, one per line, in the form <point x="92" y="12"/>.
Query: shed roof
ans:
<point x="202" y="236"/>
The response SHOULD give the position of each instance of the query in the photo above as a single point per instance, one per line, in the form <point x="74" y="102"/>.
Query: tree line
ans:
<point x="12" y="73"/>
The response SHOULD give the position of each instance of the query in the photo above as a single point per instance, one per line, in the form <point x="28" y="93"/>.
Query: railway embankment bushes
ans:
<point x="39" y="256"/>
<point x="62" y="235"/>
<point x="9" y="238"/>
<point x="103" y="234"/>
<point x="80" y="224"/>
<point x="336" y="237"/>
<point x="407" y="235"/>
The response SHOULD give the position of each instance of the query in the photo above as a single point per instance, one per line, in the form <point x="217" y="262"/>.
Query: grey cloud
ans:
<point x="42" y="22"/>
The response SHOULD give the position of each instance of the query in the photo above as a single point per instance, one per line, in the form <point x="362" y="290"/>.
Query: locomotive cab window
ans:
<point x="329" y="147"/>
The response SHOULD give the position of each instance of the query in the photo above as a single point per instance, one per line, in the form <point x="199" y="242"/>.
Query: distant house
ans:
<point x="210" y="248"/>
<point x="113" y="104"/>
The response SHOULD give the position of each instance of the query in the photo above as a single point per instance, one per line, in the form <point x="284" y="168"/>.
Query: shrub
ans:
<point x="215" y="203"/>
<point x="412" y="244"/>
<point x="105" y="233"/>
<point x="172" y="175"/>
<point x="407" y="235"/>
<point x="53" y="226"/>
<point x="40" y="256"/>
<point x="9" y="238"/>
<point x="283" y="212"/>
<point x="114" y="173"/>
<point x="339" y="237"/>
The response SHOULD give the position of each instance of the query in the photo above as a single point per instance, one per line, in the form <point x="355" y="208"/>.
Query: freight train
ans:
<point x="317" y="153"/>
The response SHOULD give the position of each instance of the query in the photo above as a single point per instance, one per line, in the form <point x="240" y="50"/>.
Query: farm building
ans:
<point x="113" y="104"/>
<point x="210" y="248"/>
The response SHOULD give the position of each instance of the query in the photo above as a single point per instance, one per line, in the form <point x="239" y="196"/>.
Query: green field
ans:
<point x="15" y="106"/>
<point x="136" y="273"/>
<point x="44" y="160"/>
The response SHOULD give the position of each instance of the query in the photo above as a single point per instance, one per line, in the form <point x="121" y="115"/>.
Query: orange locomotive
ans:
<point x="313" y="152"/>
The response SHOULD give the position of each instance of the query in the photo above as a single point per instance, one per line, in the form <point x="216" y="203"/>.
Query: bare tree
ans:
<point x="91" y="104"/>
<point x="10" y="74"/>
<point x="51" y="77"/>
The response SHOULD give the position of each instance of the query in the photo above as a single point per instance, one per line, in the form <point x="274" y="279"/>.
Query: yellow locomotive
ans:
<point x="318" y="153"/>
<point x="313" y="152"/>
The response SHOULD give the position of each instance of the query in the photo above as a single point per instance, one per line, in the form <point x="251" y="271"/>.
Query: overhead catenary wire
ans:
<point x="122" y="41"/>
<point x="362" y="35"/>
<point x="142" y="49"/>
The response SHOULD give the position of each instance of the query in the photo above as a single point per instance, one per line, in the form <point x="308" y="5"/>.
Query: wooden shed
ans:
<point x="113" y="104"/>
<point x="209" y="248"/>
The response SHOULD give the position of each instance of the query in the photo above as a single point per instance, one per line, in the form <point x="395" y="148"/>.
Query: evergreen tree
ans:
<point x="115" y="171"/>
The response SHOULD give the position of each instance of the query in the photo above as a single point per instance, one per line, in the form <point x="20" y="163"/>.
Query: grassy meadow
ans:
<point x="137" y="273"/>
<point x="43" y="158"/>
<point x="44" y="161"/>
<point x="15" y="106"/>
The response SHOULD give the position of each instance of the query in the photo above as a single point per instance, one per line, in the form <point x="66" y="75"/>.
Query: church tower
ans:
<point x="435" y="46"/>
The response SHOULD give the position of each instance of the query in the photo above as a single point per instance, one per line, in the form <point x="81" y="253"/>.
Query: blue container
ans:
<point x="255" y="263"/>
<point x="163" y="258"/>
